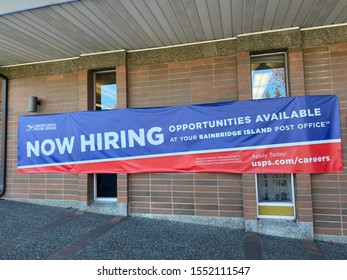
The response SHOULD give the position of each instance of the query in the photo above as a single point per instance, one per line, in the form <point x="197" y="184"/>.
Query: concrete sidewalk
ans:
<point x="36" y="232"/>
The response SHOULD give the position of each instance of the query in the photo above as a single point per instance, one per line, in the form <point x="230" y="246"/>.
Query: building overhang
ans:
<point x="43" y="30"/>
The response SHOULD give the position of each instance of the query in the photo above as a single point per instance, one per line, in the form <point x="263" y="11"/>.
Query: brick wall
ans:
<point x="296" y="83"/>
<point x="320" y="198"/>
<point x="122" y="102"/>
<point x="197" y="194"/>
<point x="326" y="73"/>
<point x="181" y="83"/>
<point x="58" y="93"/>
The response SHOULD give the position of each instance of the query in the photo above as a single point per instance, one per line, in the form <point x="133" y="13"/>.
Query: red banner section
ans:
<point x="293" y="159"/>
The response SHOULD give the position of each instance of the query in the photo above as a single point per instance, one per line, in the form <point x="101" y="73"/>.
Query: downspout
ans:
<point x="4" y="90"/>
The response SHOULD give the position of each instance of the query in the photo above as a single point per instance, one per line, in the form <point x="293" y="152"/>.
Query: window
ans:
<point x="275" y="192"/>
<point x="105" y="98"/>
<point x="269" y="76"/>
<point x="105" y="90"/>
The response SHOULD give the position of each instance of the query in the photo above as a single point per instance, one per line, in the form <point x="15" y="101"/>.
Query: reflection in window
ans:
<point x="274" y="188"/>
<point x="105" y="90"/>
<point x="268" y="76"/>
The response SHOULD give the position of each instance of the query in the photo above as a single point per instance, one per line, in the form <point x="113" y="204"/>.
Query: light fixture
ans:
<point x="262" y="66"/>
<point x="32" y="104"/>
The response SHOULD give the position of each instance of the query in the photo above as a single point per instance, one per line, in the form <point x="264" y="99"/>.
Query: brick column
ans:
<point x="303" y="188"/>
<point x="249" y="197"/>
<point x="248" y="180"/>
<point x="122" y="179"/>
<point x="303" y="181"/>
<point x="85" y="181"/>
<point x="244" y="76"/>
<point x="303" y="196"/>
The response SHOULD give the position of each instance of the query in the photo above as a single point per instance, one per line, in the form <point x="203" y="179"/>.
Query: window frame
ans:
<point x="285" y="68"/>
<point x="95" y="183"/>
<point x="292" y="177"/>
<point x="94" y="82"/>
<point x="277" y="204"/>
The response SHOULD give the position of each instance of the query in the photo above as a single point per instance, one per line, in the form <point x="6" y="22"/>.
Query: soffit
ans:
<point x="73" y="28"/>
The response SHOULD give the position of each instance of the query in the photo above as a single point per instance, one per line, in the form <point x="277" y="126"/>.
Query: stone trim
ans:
<point x="269" y="40"/>
<point x="234" y="223"/>
<point x="314" y="37"/>
<point x="282" y="228"/>
<point x="99" y="61"/>
<point x="260" y="41"/>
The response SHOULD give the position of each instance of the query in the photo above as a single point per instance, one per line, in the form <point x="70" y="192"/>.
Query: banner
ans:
<point x="283" y="135"/>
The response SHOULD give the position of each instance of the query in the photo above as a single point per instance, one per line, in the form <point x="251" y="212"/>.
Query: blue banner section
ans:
<point x="79" y="138"/>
